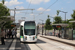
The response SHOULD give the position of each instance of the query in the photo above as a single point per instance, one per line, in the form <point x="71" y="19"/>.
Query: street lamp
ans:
<point x="18" y="10"/>
<point x="42" y="26"/>
<point x="14" y="14"/>
<point x="63" y="12"/>
<point x="65" y="19"/>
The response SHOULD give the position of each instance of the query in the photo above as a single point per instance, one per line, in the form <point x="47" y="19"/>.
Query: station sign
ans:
<point x="13" y="25"/>
<point x="58" y="26"/>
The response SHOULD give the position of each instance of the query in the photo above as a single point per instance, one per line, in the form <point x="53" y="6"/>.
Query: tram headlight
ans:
<point x="33" y="38"/>
<point x="25" y="37"/>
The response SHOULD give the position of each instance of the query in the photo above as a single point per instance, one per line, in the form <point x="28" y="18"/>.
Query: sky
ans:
<point x="42" y="8"/>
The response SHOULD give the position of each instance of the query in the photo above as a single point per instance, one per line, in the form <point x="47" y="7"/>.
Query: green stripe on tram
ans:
<point x="36" y="37"/>
<point x="21" y="36"/>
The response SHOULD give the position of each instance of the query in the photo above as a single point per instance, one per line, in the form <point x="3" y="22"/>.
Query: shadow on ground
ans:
<point x="38" y="41"/>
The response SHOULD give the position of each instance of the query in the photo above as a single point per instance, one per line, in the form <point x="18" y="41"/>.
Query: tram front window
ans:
<point x="29" y="28"/>
<point x="29" y="31"/>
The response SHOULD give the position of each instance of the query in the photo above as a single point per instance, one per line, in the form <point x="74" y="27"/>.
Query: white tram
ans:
<point x="28" y="31"/>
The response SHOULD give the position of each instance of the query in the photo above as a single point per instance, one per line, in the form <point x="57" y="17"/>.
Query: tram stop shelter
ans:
<point x="73" y="30"/>
<point x="63" y="30"/>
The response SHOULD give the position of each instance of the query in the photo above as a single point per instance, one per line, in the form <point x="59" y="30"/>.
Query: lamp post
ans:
<point x="65" y="21"/>
<point x="63" y="12"/>
<point x="42" y="26"/>
<point x="18" y="10"/>
<point x="14" y="14"/>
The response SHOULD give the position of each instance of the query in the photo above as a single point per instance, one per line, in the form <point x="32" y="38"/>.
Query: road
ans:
<point x="42" y="44"/>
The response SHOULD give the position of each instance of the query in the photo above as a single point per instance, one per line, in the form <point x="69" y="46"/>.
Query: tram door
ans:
<point x="21" y="33"/>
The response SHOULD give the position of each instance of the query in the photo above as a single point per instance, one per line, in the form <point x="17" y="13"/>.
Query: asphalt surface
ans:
<point x="7" y="45"/>
<point x="42" y="44"/>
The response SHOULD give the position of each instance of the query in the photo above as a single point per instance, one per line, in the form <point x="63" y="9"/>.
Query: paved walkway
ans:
<point x="8" y="43"/>
<point x="70" y="42"/>
<point x="0" y="40"/>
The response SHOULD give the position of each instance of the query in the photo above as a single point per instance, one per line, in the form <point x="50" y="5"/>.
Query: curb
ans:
<point x="59" y="41"/>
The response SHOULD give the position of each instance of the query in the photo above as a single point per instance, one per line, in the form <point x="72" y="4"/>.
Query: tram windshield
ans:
<point x="29" y="28"/>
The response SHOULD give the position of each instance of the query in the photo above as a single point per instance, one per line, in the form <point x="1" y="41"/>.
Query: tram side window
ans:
<point x="21" y="31"/>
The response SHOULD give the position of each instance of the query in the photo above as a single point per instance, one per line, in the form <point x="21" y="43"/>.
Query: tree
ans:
<point x="48" y="24"/>
<point x="3" y="1"/>
<point x="73" y="15"/>
<point x="58" y="19"/>
<point x="8" y="24"/>
<point x="67" y="21"/>
<point x="4" y="12"/>
<point x="72" y="25"/>
<point x="57" y="12"/>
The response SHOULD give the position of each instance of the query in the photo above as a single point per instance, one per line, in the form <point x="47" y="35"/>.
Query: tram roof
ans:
<point x="29" y="21"/>
<point x="22" y="23"/>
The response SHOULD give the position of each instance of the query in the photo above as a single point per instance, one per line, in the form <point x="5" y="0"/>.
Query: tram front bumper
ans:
<point x="30" y="40"/>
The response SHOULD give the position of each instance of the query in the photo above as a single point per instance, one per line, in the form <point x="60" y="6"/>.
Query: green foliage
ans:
<point x="4" y="11"/>
<point x="3" y="1"/>
<point x="48" y="24"/>
<point x="4" y="20"/>
<point x="67" y="21"/>
<point x="58" y="19"/>
<point x="8" y="24"/>
<point x="72" y="25"/>
<point x="57" y="12"/>
<point x="73" y="15"/>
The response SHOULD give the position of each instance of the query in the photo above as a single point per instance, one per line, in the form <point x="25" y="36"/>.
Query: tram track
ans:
<point x="26" y="45"/>
<point x="61" y="48"/>
<point x="56" y="46"/>
<point x="52" y="45"/>
<point x="38" y="46"/>
<point x="40" y="43"/>
<point x="59" y="41"/>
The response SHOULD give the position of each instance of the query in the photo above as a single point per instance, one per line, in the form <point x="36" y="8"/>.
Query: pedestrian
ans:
<point x="2" y="36"/>
<point x="9" y="33"/>
<point x="13" y="32"/>
<point x="5" y="33"/>
<point x="59" y="35"/>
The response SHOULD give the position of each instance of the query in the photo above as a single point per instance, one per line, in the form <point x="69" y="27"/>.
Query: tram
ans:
<point x="28" y="31"/>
